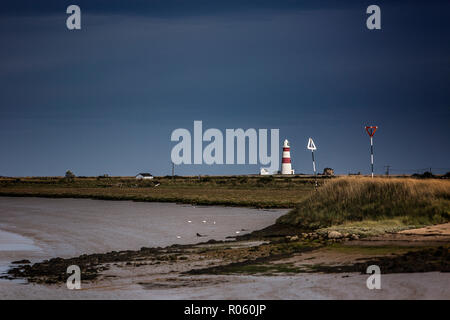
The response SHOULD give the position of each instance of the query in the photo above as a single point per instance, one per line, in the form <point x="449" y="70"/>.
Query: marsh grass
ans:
<point x="248" y="191"/>
<point x="266" y="269"/>
<point x="373" y="227"/>
<point x="351" y="199"/>
<point x="366" y="250"/>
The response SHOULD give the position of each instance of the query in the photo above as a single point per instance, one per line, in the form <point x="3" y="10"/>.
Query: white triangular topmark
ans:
<point x="311" y="145"/>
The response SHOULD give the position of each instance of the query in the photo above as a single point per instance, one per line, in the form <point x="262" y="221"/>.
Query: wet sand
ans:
<point x="432" y="285"/>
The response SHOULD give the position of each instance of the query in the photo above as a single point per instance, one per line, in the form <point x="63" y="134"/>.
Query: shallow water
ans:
<point x="12" y="246"/>
<point x="41" y="228"/>
<point x="15" y="242"/>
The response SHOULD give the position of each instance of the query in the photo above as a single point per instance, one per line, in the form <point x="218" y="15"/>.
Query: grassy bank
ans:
<point x="354" y="204"/>
<point x="250" y="191"/>
<point x="357" y="199"/>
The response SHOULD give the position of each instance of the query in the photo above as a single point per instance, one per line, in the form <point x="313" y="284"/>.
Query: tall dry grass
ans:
<point x="359" y="198"/>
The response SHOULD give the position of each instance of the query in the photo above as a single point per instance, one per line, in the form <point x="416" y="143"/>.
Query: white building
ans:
<point x="144" y="176"/>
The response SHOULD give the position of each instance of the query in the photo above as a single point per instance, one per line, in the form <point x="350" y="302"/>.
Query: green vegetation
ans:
<point x="70" y="176"/>
<point x="369" y="227"/>
<point x="348" y="204"/>
<point x="417" y="260"/>
<point x="250" y="191"/>
<point x="359" y="199"/>
<point x="373" y="250"/>
<point x="267" y="263"/>
<point x="266" y="269"/>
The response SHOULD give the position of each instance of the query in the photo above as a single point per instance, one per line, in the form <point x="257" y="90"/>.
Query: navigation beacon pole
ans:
<point x="371" y="154"/>
<point x="314" y="168"/>
<point x="371" y="131"/>
<point x="311" y="146"/>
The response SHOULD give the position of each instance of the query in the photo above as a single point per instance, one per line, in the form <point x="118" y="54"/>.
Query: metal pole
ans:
<point x="314" y="168"/>
<point x="371" y="153"/>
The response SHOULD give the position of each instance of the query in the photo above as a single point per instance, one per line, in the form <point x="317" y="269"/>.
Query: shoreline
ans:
<point x="240" y="191"/>
<point x="193" y="202"/>
<point x="251" y="257"/>
<point x="120" y="226"/>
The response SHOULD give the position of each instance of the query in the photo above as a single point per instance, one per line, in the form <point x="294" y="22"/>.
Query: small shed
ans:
<point x="144" y="176"/>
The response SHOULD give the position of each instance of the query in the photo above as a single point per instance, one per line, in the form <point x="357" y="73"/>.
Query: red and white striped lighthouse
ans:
<point x="286" y="166"/>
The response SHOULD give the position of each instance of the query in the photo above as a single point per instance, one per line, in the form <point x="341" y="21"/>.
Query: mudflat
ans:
<point x="124" y="262"/>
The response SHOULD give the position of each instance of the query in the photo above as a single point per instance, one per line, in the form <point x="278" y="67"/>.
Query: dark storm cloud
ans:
<point x="106" y="98"/>
<point x="173" y="8"/>
<point x="162" y="7"/>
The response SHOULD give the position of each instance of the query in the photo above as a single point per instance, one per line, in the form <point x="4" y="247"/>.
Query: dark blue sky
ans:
<point x="105" y="99"/>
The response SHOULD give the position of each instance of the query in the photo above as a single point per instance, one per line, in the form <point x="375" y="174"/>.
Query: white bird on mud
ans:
<point x="204" y="221"/>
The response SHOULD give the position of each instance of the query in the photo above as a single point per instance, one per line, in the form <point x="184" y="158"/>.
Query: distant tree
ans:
<point x="425" y="175"/>
<point x="70" y="176"/>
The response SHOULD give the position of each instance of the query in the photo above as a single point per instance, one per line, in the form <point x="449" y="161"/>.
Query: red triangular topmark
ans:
<point x="371" y="130"/>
